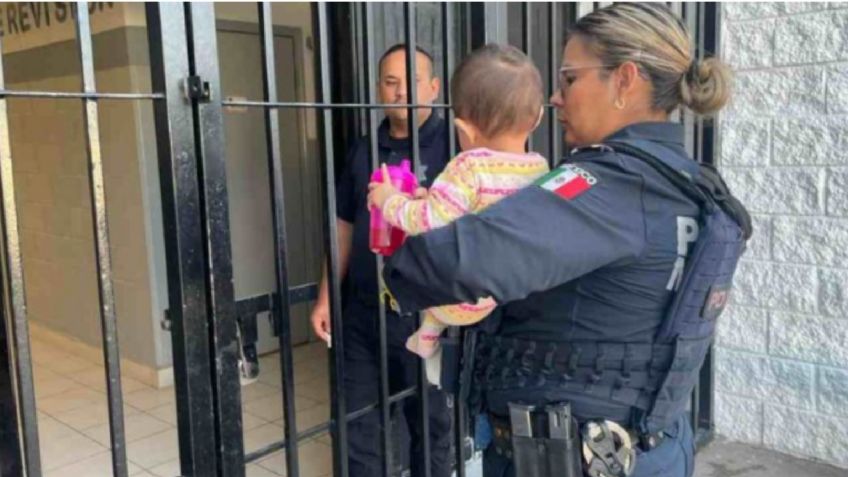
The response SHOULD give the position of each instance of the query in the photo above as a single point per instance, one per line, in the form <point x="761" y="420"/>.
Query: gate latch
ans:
<point x="165" y="323"/>
<point x="195" y="88"/>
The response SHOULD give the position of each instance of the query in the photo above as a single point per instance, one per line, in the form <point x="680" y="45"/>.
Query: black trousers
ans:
<point x="361" y="380"/>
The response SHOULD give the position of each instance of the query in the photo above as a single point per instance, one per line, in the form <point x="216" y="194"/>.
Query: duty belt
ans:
<point x="627" y="373"/>
<point x="502" y="435"/>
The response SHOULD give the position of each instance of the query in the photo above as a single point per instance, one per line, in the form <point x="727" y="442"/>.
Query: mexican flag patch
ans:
<point x="568" y="181"/>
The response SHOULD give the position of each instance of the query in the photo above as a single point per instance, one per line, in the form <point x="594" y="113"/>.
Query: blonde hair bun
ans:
<point x="706" y="87"/>
<point x="657" y="40"/>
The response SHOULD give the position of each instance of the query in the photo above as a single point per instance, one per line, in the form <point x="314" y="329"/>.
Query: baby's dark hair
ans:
<point x="498" y="89"/>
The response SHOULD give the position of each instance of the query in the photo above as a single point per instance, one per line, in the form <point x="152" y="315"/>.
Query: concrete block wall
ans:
<point x="54" y="206"/>
<point x="782" y="354"/>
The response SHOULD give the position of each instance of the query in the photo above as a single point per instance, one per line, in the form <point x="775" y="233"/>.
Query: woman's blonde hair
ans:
<point x="657" y="41"/>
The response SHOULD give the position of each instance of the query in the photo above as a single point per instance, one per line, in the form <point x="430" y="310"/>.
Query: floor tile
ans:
<point x="315" y="459"/>
<point x="309" y="418"/>
<point x="48" y="383"/>
<point x="154" y="450"/>
<point x="98" y="465"/>
<point x="271" y="378"/>
<point x="270" y="408"/>
<point x="255" y="470"/>
<point x="166" y="413"/>
<point x="68" y="450"/>
<point x="136" y="427"/>
<point x="50" y="430"/>
<point x="69" y="400"/>
<point x="168" y="469"/>
<point x="309" y="352"/>
<point x="95" y="378"/>
<point x="262" y="436"/>
<point x="150" y="398"/>
<point x="309" y="371"/>
<point x="317" y="389"/>
<point x="249" y="421"/>
<point x="257" y="390"/>
<point x="90" y="415"/>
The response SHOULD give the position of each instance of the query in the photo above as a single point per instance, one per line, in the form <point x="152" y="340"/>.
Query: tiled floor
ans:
<point x="74" y="430"/>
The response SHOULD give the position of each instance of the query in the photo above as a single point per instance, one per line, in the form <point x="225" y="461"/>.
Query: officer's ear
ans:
<point x="539" y="119"/>
<point x="465" y="128"/>
<point x="627" y="74"/>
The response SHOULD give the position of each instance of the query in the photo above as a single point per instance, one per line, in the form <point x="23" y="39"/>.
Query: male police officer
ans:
<point x="360" y="289"/>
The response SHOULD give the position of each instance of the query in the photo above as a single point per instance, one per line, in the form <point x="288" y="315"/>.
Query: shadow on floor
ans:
<point x="732" y="459"/>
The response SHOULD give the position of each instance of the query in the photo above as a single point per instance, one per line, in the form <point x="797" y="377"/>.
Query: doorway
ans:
<point x="251" y="226"/>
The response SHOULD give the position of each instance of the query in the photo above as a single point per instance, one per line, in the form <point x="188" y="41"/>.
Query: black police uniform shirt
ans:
<point x="352" y="194"/>
<point x="586" y="254"/>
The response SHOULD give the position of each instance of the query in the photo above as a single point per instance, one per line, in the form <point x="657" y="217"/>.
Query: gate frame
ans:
<point x="192" y="167"/>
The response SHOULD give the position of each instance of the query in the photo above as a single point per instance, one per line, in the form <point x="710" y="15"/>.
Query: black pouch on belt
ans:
<point x="540" y="450"/>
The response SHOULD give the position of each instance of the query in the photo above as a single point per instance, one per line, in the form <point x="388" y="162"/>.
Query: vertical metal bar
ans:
<point x="15" y="298"/>
<point x="410" y="24"/>
<point x="495" y="23"/>
<point x="554" y="138"/>
<point x="583" y="9"/>
<point x="467" y="21"/>
<point x="527" y="40"/>
<point x="209" y="137"/>
<point x="687" y="12"/>
<point x="339" y="418"/>
<point x="183" y="231"/>
<point x="448" y="41"/>
<point x="103" y="257"/>
<point x="709" y="38"/>
<point x="694" y="408"/>
<point x="697" y="30"/>
<point x="280" y="309"/>
<point x="10" y="440"/>
<point x="454" y="331"/>
<point x="361" y="88"/>
<point x="372" y="76"/>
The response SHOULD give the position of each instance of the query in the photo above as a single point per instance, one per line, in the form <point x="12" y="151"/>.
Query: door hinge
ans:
<point x="195" y="88"/>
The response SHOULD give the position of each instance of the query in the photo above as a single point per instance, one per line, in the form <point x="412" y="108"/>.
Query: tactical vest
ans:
<point x="656" y="379"/>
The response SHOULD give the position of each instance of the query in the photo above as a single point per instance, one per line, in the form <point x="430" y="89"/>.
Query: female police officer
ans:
<point x="601" y="316"/>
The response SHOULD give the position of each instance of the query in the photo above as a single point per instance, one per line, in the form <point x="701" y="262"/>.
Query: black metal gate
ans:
<point x="203" y="311"/>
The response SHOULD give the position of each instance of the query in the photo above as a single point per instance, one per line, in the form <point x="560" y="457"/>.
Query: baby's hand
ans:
<point x="379" y="192"/>
<point x="421" y="193"/>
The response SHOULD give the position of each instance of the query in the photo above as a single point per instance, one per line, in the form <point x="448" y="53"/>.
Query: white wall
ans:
<point x="782" y="359"/>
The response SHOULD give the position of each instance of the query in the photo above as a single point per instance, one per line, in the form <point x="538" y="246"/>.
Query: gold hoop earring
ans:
<point x="619" y="103"/>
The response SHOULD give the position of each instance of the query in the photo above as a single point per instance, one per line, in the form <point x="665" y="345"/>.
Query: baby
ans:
<point x="498" y="102"/>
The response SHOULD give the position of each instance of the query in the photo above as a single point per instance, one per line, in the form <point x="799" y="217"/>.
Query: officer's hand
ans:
<point x="321" y="321"/>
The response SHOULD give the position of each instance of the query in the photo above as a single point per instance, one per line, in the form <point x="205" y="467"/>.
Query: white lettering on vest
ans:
<point x="687" y="234"/>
